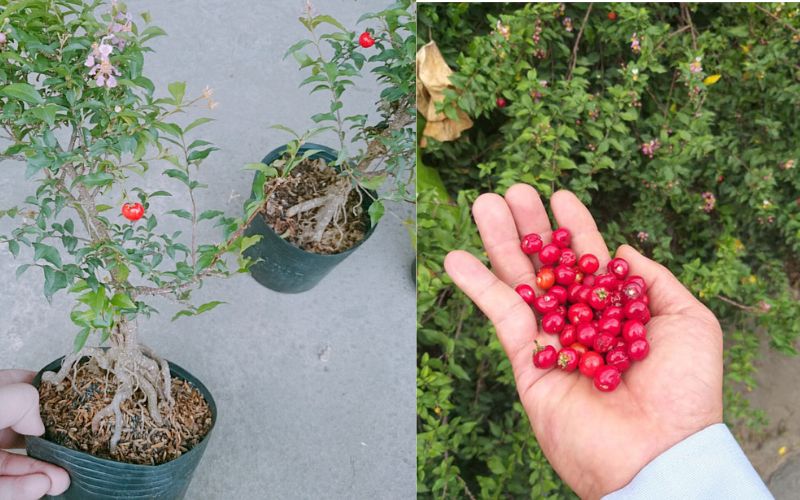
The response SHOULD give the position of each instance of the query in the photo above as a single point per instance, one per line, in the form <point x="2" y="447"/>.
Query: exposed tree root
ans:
<point x="331" y="208"/>
<point x="134" y="366"/>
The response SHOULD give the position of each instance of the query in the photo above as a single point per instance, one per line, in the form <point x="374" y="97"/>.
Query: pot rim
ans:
<point x="175" y="370"/>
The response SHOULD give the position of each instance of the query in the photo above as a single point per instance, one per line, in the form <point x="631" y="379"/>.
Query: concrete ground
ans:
<point x="315" y="391"/>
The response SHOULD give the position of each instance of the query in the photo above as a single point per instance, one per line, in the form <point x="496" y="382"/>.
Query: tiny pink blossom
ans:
<point x="643" y="236"/>
<point x="695" y="66"/>
<point x="567" y="22"/>
<point x="709" y="200"/>
<point x="649" y="148"/>
<point x="635" y="44"/>
<point x="3" y="39"/>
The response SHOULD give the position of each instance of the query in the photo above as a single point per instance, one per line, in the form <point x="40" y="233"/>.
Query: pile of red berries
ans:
<point x="600" y="318"/>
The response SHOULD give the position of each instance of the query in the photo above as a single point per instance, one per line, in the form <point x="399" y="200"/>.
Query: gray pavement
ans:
<point x="315" y="391"/>
<point x="785" y="482"/>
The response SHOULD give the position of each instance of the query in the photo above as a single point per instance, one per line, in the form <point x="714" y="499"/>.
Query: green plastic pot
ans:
<point x="95" y="478"/>
<point x="282" y="266"/>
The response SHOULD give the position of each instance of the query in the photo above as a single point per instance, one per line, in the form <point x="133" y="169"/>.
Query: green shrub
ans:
<point x="676" y="125"/>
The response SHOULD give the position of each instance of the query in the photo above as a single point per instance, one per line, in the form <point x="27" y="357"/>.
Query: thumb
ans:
<point x="20" y="409"/>
<point x="667" y="294"/>
<point x="30" y="487"/>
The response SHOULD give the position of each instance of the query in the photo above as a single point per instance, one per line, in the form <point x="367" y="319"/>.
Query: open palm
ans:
<point x="596" y="441"/>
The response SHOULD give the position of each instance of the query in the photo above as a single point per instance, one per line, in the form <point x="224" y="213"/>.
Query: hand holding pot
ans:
<point x="597" y="442"/>
<point x="23" y="478"/>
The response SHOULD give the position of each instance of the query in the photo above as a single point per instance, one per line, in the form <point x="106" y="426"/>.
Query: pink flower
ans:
<point x="567" y="22"/>
<point x="649" y="148"/>
<point x="709" y="200"/>
<point x="695" y="66"/>
<point x="643" y="236"/>
<point x="104" y="74"/>
<point x="635" y="44"/>
<point x="505" y="31"/>
<point x="3" y="39"/>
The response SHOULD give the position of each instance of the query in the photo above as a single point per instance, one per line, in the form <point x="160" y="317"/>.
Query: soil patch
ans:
<point x="68" y="414"/>
<point x="309" y="180"/>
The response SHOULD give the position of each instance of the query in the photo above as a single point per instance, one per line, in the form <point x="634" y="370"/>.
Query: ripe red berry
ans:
<point x="618" y="267"/>
<point x="583" y="295"/>
<point x="568" y="359"/>
<point x="545" y="303"/>
<point x="561" y="237"/>
<point x="607" y="378"/>
<point x="604" y="342"/>
<point x="638" y="280"/>
<point x="567" y="335"/>
<point x="589" y="280"/>
<point x="531" y="243"/>
<point x="588" y="263"/>
<point x="545" y="278"/>
<point x="613" y="312"/>
<point x="366" y="40"/>
<point x="553" y="322"/>
<point x="607" y="281"/>
<point x="599" y="298"/>
<point x="133" y="211"/>
<point x="559" y="292"/>
<point x="609" y="325"/>
<point x="549" y="254"/>
<point x="579" y="348"/>
<point x="590" y="362"/>
<point x="638" y="349"/>
<point x="612" y="16"/>
<point x="637" y="309"/>
<point x="633" y="329"/>
<point x="631" y="291"/>
<point x="564" y="275"/>
<point x="544" y="356"/>
<point x="568" y="258"/>
<point x="579" y="313"/>
<point x="561" y="310"/>
<point x="572" y="292"/>
<point x="618" y="358"/>
<point x="526" y="292"/>
<point x="586" y="333"/>
<point x="501" y="103"/>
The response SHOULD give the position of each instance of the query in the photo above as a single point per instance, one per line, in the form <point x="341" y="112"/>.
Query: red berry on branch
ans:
<point x="501" y="103"/>
<point x="366" y="40"/>
<point x="612" y="16"/>
<point x="133" y="211"/>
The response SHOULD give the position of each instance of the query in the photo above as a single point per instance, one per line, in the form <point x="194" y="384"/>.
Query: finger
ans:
<point x="16" y="377"/>
<point x="570" y="213"/>
<point x="529" y="213"/>
<point x="499" y="235"/>
<point x="22" y="466"/>
<point x="29" y="487"/>
<point x="20" y="410"/>
<point x="667" y="295"/>
<point x="10" y="439"/>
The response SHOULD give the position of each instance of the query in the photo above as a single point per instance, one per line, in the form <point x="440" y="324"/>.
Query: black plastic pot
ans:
<point x="94" y="478"/>
<point x="283" y="266"/>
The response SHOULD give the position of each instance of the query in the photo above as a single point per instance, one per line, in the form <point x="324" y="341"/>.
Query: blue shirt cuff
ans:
<point x="707" y="465"/>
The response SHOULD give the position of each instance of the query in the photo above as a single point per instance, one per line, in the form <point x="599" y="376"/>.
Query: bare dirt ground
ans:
<point x="778" y="394"/>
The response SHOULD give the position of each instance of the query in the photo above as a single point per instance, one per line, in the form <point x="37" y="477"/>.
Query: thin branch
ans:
<point x="574" y="58"/>
<point x="773" y="16"/>
<point x="688" y="18"/>
<point x="13" y="157"/>
<point x="740" y="305"/>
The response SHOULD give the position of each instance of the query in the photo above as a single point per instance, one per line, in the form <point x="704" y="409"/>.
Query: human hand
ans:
<point x="21" y="477"/>
<point x="597" y="442"/>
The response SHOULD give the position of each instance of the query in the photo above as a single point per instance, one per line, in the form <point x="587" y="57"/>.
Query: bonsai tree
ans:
<point x="84" y="122"/>
<point x="373" y="152"/>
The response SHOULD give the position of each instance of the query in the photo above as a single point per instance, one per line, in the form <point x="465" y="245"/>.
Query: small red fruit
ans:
<point x="633" y="330"/>
<point x="612" y="16"/>
<point x="501" y="103"/>
<point x="589" y="280"/>
<point x="613" y="312"/>
<point x="618" y="358"/>
<point x="638" y="280"/>
<point x="607" y="378"/>
<point x="607" y="281"/>
<point x="604" y="342"/>
<point x="568" y="258"/>
<point x="631" y="291"/>
<point x="526" y="292"/>
<point x="544" y="356"/>
<point x="588" y="263"/>
<point x="545" y="303"/>
<point x="559" y="292"/>
<point x="553" y="322"/>
<point x="637" y="309"/>
<point x="618" y="267"/>
<point x="599" y="298"/>
<point x="638" y="349"/>
<point x="561" y="237"/>
<point x="366" y="40"/>
<point x="590" y="362"/>
<point x="549" y="254"/>
<point x="579" y="313"/>
<point x="579" y="348"/>
<point x="586" y="333"/>
<point x="567" y="335"/>
<point x="609" y="325"/>
<point x="133" y="211"/>
<point x="568" y="359"/>
<point x="531" y="243"/>
<point x="564" y="275"/>
<point x="545" y="278"/>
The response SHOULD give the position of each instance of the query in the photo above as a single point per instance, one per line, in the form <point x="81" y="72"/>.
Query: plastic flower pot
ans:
<point x="95" y="478"/>
<point x="282" y="266"/>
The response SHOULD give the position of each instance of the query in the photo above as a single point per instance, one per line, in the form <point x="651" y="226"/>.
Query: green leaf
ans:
<point x="123" y="301"/>
<point x="54" y="281"/>
<point x="210" y="214"/>
<point x="183" y="214"/>
<point x="375" y="212"/>
<point x="22" y="91"/>
<point x="96" y="179"/>
<point x="329" y="20"/>
<point x="185" y="312"/>
<point x="21" y="269"/>
<point x="200" y="154"/>
<point x="209" y="306"/>
<point x="80" y="339"/>
<point x="197" y="123"/>
<point x="13" y="247"/>
<point x="177" y="90"/>
<point x="48" y="253"/>
<point x="159" y="193"/>
<point x="297" y="46"/>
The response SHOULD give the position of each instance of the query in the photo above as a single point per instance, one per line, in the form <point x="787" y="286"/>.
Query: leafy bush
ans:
<point x="676" y="124"/>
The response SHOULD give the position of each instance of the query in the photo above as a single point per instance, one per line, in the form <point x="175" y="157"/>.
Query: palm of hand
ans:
<point x="596" y="441"/>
